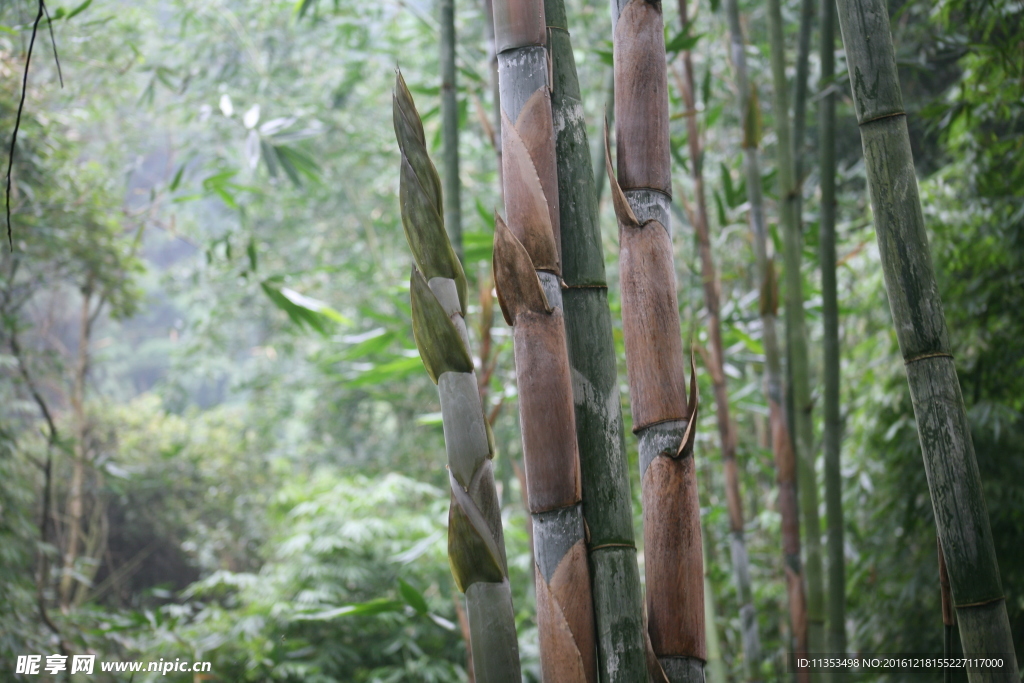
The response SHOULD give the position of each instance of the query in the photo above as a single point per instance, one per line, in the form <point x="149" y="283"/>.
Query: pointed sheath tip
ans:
<point x="515" y="279"/>
<point x="623" y="211"/>
<point x="438" y="341"/>
<point x="689" y="436"/>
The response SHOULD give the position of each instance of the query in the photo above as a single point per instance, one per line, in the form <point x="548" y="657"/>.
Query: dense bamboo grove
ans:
<point x="225" y="281"/>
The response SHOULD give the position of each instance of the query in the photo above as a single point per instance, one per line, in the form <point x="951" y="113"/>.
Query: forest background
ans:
<point x="204" y="330"/>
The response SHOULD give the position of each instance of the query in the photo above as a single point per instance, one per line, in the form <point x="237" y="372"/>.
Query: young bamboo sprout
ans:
<point x="782" y="446"/>
<point x="716" y="367"/>
<point x="527" y="277"/>
<point x="663" y="418"/>
<point x="476" y="546"/>
<point x="953" y="479"/>
<point x="607" y="502"/>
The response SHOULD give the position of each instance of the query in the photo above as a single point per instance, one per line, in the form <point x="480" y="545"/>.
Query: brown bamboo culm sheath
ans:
<point x="527" y="268"/>
<point x="663" y="418"/>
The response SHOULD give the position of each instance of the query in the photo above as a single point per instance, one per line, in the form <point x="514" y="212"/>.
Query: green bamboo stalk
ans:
<point x="830" y="308"/>
<point x="527" y="269"/>
<point x="726" y="433"/>
<point x="663" y="418"/>
<point x="607" y="501"/>
<point x="953" y="479"/>
<point x="450" y="127"/>
<point x="476" y="546"/>
<point x="715" y="666"/>
<point x="789" y="194"/>
<point x="495" y="93"/>
<point x="597" y="155"/>
<point x="948" y="617"/>
<point x="782" y="447"/>
<point x="800" y="86"/>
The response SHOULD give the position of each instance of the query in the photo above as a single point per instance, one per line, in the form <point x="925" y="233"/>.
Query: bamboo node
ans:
<point x="926" y="356"/>
<point x="631" y="546"/>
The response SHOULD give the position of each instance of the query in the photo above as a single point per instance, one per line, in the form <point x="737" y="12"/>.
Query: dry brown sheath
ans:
<point x="663" y="418"/>
<point x="527" y="266"/>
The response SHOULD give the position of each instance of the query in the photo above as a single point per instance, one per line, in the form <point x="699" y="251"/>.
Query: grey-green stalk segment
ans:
<point x="830" y="314"/>
<point x="961" y="517"/>
<point x="476" y="547"/>
<point x="607" y="501"/>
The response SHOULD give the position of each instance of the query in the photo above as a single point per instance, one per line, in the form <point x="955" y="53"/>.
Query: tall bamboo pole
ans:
<point x="782" y="446"/>
<point x="830" y="307"/>
<point x="607" y="502"/>
<point x="450" y="127"/>
<point x="495" y="93"/>
<point x="715" y="668"/>
<point x="953" y="479"/>
<point x="663" y="418"/>
<point x="789" y="195"/>
<point x="476" y="546"/>
<point x="948" y="617"/>
<point x="527" y="269"/>
<point x="716" y="367"/>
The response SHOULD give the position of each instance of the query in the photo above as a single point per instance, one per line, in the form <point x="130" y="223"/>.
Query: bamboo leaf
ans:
<point x="371" y="607"/>
<point x="682" y="42"/>
<point x="302" y="310"/>
<point x="439" y="343"/>
<point x="386" y="372"/>
<point x="413" y="597"/>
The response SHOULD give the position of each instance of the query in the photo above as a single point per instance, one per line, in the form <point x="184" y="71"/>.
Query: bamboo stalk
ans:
<point x="780" y="436"/>
<point x="527" y="269"/>
<point x="476" y="547"/>
<point x="597" y="155"/>
<point x="948" y="616"/>
<point x="450" y="127"/>
<point x="664" y="419"/>
<point x="716" y="366"/>
<point x="495" y="94"/>
<point x="789" y="194"/>
<point x="953" y="479"/>
<point x="715" y="668"/>
<point x="830" y="309"/>
<point x="607" y="501"/>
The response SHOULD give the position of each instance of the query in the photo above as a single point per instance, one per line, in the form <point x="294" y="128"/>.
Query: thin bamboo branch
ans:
<point x="780" y="437"/>
<point x="796" y="334"/>
<point x="716" y="366"/>
<point x="450" y="127"/>
<point x="830" y="309"/>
